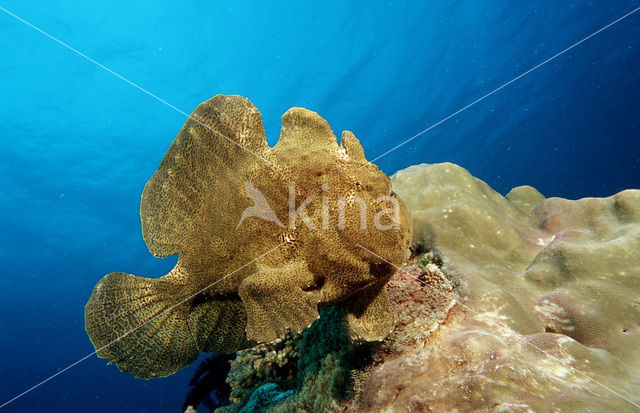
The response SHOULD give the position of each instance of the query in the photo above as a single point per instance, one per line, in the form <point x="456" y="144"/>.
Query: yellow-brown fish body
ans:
<point x="264" y="236"/>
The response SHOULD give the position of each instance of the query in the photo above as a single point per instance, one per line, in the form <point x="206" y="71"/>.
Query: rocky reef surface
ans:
<point x="515" y="303"/>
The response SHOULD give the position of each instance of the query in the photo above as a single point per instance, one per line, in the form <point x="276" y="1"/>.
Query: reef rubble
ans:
<point x="516" y="303"/>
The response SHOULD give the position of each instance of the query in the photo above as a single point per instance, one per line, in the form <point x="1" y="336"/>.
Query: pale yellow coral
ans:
<point x="547" y="317"/>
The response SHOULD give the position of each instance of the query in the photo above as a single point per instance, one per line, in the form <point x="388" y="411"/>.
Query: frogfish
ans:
<point x="264" y="236"/>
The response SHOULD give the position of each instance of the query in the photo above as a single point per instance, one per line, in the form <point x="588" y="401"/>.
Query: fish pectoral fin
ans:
<point x="275" y="301"/>
<point x="218" y="324"/>
<point x="370" y="314"/>
<point x="135" y="323"/>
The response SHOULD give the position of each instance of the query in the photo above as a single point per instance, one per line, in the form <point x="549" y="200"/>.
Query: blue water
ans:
<point x="77" y="143"/>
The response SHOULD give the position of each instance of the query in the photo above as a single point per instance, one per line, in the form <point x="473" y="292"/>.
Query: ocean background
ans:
<point x="77" y="144"/>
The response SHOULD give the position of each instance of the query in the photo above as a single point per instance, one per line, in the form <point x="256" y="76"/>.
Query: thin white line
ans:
<point x="503" y="86"/>
<point x="135" y="85"/>
<point x="135" y="329"/>
<point x="433" y="288"/>
<point x="234" y="142"/>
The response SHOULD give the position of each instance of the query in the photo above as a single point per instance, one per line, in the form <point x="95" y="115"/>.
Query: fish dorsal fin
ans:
<point x="352" y="146"/>
<point x="230" y="120"/>
<point x="302" y="128"/>
<point x="222" y="138"/>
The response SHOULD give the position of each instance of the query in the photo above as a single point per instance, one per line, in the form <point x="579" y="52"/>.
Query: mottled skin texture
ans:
<point x="191" y="207"/>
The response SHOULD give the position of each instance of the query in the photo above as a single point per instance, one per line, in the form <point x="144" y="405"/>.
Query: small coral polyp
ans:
<point x="239" y="280"/>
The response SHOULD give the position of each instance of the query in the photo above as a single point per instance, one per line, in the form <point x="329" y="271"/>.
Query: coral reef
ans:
<point x="526" y="198"/>
<point x="326" y="358"/>
<point x="239" y="278"/>
<point x="264" y="398"/>
<point x="545" y="297"/>
<point x="330" y="357"/>
<point x="422" y="297"/>
<point x="275" y="362"/>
